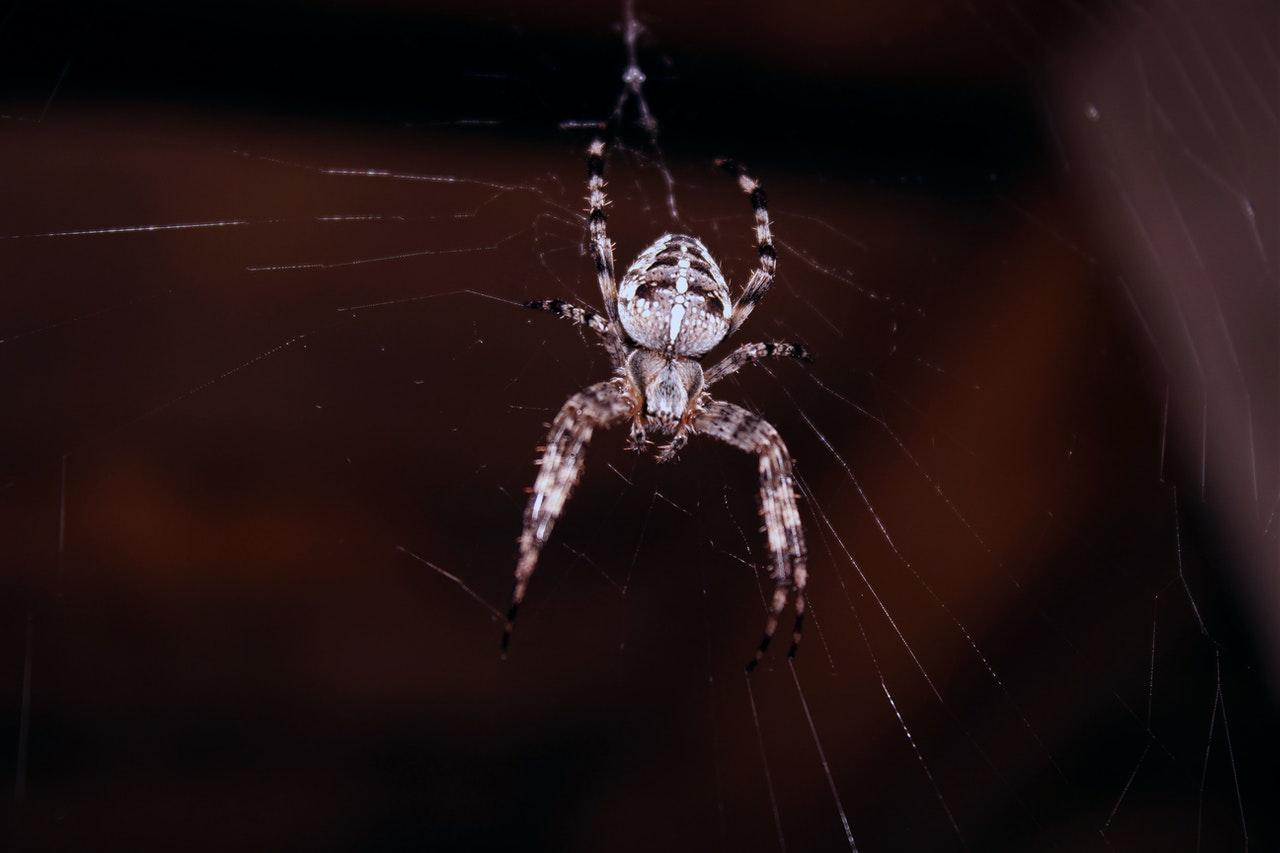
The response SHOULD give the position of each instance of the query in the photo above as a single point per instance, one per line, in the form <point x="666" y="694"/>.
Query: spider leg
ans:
<point x="750" y="354"/>
<point x="762" y="277"/>
<point x="601" y="405"/>
<point x="572" y="313"/>
<point x="602" y="249"/>
<point x="736" y="426"/>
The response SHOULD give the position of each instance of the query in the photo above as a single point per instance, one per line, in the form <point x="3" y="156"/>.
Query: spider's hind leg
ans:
<point x="602" y="250"/>
<point x="762" y="277"/>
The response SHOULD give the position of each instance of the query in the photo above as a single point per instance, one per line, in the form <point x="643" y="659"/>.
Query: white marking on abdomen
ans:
<point x="677" y="317"/>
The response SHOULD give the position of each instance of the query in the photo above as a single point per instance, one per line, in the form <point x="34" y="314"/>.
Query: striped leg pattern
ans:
<point x="572" y="313"/>
<point x="602" y="247"/>
<point x="736" y="426"/>
<point x="598" y="406"/>
<point x="750" y="354"/>
<point x="762" y="277"/>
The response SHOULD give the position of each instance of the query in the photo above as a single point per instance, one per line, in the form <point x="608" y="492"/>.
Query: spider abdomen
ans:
<point x="674" y="298"/>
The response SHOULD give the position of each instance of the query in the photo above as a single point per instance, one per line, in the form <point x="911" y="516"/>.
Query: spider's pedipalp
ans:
<point x="602" y="405"/>
<point x="671" y="450"/>
<point x="736" y="426"/>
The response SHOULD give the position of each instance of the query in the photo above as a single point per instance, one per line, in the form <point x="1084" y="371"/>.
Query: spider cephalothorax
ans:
<point x="671" y="307"/>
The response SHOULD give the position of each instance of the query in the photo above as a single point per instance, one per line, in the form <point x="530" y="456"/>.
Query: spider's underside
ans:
<point x="671" y="307"/>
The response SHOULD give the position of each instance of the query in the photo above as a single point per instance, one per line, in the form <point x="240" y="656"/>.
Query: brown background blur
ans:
<point x="213" y="483"/>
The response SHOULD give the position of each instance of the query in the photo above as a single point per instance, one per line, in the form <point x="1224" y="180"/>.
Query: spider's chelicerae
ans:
<point x="669" y="310"/>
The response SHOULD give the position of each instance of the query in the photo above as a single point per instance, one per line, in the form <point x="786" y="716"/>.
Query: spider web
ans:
<point x="271" y="405"/>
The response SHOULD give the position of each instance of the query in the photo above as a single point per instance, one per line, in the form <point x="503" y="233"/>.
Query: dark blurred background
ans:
<point x="267" y="423"/>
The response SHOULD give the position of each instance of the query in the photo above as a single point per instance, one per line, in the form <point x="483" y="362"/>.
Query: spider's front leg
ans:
<point x="736" y="426"/>
<point x="598" y="406"/>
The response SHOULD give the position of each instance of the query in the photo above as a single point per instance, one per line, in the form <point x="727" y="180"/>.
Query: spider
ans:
<point x="671" y="307"/>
